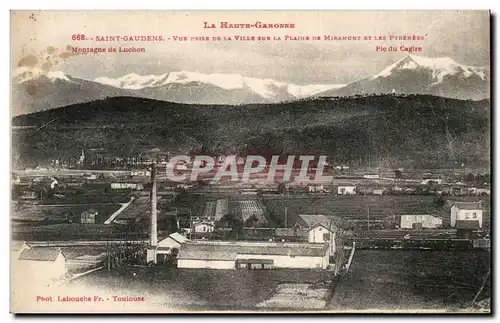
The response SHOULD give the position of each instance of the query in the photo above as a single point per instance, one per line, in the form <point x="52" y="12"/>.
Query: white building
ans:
<point x="88" y="216"/>
<point x="436" y="180"/>
<point x="371" y="176"/>
<point x="471" y="211"/>
<point x="316" y="188"/>
<point x="408" y="221"/>
<point x="41" y="263"/>
<point x="253" y="255"/>
<point x="203" y="227"/>
<point x="320" y="229"/>
<point x="123" y="186"/>
<point x="167" y="248"/>
<point x="346" y="189"/>
<point x="175" y="240"/>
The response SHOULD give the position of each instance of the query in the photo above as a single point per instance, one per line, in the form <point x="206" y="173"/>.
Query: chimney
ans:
<point x="154" y="233"/>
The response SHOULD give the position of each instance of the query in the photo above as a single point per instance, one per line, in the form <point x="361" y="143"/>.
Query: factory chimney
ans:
<point x="154" y="233"/>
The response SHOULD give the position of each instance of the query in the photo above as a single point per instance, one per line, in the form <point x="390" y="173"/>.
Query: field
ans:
<point x="195" y="289"/>
<point x="87" y="197"/>
<point x="381" y="280"/>
<point x="382" y="210"/>
<point x="351" y="208"/>
<point x="54" y="214"/>
<point x="74" y="231"/>
<point x="137" y="209"/>
<point x="411" y="280"/>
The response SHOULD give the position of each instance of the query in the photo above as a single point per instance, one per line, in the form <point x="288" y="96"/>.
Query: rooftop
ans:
<point x="311" y="220"/>
<point x="40" y="254"/>
<point x="17" y="245"/>
<point x="467" y="205"/>
<point x="216" y="250"/>
<point x="178" y="237"/>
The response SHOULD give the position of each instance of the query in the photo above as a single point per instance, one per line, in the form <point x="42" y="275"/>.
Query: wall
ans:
<point x="42" y="270"/>
<point x="427" y="221"/>
<point x="291" y="262"/>
<point x="316" y="235"/>
<point x="200" y="228"/>
<point x="213" y="264"/>
<point x="458" y="214"/>
<point x="469" y="215"/>
<point x="346" y="190"/>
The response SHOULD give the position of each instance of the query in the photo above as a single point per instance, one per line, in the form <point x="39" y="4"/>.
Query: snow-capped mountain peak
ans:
<point x="439" y="66"/>
<point x="133" y="81"/>
<point x="265" y="88"/>
<point x="24" y="74"/>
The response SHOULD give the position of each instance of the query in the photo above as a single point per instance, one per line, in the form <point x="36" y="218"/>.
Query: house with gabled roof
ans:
<point x="468" y="211"/>
<point x="308" y="220"/>
<point x="42" y="263"/>
<point x="172" y="242"/>
<point x="320" y="229"/>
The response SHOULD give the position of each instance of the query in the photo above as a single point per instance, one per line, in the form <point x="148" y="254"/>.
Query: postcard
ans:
<point x="250" y="161"/>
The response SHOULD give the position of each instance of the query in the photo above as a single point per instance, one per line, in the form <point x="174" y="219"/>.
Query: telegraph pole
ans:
<point x="154" y="230"/>
<point x="286" y="207"/>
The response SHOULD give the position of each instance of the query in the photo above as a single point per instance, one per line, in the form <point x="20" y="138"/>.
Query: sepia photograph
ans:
<point x="250" y="161"/>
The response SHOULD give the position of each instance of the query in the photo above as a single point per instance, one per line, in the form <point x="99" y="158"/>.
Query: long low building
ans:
<point x="253" y="255"/>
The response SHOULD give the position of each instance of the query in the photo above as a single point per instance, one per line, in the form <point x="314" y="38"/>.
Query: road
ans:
<point x="114" y="215"/>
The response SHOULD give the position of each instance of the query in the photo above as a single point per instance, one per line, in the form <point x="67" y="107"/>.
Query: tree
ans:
<point x="398" y="174"/>
<point x="235" y="223"/>
<point x="470" y="177"/>
<point x="171" y="224"/>
<point x="431" y="186"/>
<point x="281" y="188"/>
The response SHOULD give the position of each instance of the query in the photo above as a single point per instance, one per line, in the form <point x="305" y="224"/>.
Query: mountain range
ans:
<point x="376" y="130"/>
<point x="422" y="75"/>
<point x="36" y="90"/>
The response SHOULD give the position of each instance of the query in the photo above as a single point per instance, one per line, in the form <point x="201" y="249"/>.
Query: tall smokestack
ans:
<point x="154" y="233"/>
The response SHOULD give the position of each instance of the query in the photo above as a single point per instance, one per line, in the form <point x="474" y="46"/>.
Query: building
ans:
<point x="42" y="263"/>
<point x="29" y="195"/>
<point x="252" y="255"/>
<point x="88" y="216"/>
<point x="17" y="248"/>
<point x="168" y="248"/>
<point x="173" y="241"/>
<point x="371" y="176"/>
<point x="203" y="227"/>
<point x="479" y="191"/>
<point x="415" y="221"/>
<point x="378" y="192"/>
<point x="346" y="189"/>
<point x="320" y="229"/>
<point x="124" y="186"/>
<point x="306" y="221"/>
<point x="466" y="211"/>
<point x="316" y="189"/>
<point x="434" y="179"/>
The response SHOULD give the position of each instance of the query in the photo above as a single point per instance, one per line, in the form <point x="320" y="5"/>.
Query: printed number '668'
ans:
<point x="78" y="37"/>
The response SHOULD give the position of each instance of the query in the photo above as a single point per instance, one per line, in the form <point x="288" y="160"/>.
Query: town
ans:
<point x="78" y="220"/>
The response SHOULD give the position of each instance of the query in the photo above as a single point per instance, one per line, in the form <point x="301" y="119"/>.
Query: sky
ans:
<point x="45" y="35"/>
